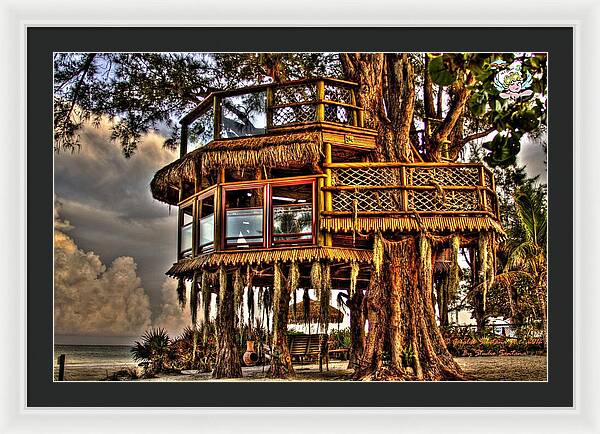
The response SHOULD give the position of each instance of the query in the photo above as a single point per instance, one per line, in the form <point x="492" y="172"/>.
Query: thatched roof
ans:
<point x="243" y="257"/>
<point x="297" y="149"/>
<point x="335" y="315"/>
<point x="410" y="223"/>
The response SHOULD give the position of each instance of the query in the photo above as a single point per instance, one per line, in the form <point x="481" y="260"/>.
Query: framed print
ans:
<point x="285" y="220"/>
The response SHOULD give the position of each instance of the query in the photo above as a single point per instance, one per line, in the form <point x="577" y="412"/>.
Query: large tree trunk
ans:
<point x="228" y="364"/>
<point x="402" y="318"/>
<point x="400" y="308"/>
<point x="281" y="360"/>
<point x="357" y="327"/>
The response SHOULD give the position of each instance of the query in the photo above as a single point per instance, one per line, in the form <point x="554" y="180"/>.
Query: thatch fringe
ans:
<point x="222" y="286"/>
<point x="195" y="289"/>
<point x="206" y="301"/>
<point x="325" y="298"/>
<point x="354" y="269"/>
<point x="378" y="252"/>
<point x="306" y="308"/>
<point x="454" y="272"/>
<point x="293" y="281"/>
<point x="487" y="259"/>
<point x="283" y="150"/>
<point x="316" y="278"/>
<point x="238" y="295"/>
<point x="406" y="224"/>
<point x="298" y="255"/>
<point x="181" y="292"/>
<point x="425" y="262"/>
<point x="312" y="313"/>
<point x="277" y="289"/>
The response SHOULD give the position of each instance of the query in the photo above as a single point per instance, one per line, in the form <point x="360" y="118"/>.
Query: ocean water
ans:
<point x="92" y="362"/>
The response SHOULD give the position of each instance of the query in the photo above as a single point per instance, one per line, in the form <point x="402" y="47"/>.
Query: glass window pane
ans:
<point x="207" y="232"/>
<point x="244" y="217"/>
<point x="292" y="213"/>
<point x="244" y="226"/>
<point x="186" y="238"/>
<point x="207" y="224"/>
<point x="244" y="115"/>
<point x="201" y="131"/>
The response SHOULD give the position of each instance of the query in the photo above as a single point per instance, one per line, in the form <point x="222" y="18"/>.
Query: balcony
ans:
<point x="271" y="108"/>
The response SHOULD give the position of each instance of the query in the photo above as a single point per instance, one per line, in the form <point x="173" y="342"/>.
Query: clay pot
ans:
<point x="250" y="357"/>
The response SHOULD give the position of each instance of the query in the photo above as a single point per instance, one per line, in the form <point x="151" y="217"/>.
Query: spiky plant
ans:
<point x="153" y="348"/>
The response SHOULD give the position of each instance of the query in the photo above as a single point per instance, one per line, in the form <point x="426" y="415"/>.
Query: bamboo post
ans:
<point x="217" y="117"/>
<point x="320" y="109"/>
<point x="328" y="183"/>
<point x="483" y="192"/>
<point x="270" y="102"/>
<point x="179" y="220"/>
<point x="320" y="209"/>
<point x="354" y="111"/>
<point x="61" y="367"/>
<point x="404" y="189"/>
<point x="219" y="210"/>
<point x="183" y="141"/>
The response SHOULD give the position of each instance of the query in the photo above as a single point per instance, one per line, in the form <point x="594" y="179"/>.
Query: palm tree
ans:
<point x="153" y="349"/>
<point x="525" y="250"/>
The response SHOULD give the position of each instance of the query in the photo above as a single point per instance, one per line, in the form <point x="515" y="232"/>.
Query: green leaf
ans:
<point x="477" y="103"/>
<point x="439" y="73"/>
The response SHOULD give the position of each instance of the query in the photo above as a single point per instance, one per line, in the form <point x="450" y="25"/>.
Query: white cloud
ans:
<point x="91" y="299"/>
<point x="171" y="316"/>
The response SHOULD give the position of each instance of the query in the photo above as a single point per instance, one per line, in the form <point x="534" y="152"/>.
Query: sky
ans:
<point x="113" y="243"/>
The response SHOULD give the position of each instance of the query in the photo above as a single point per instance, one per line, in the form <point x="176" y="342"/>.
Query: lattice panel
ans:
<point x="337" y="93"/>
<point x="488" y="179"/>
<point x="367" y="200"/>
<point x="295" y="114"/>
<point x="293" y="94"/>
<point x="443" y="176"/>
<point x="367" y="176"/>
<point x="338" y="114"/>
<point x="451" y="200"/>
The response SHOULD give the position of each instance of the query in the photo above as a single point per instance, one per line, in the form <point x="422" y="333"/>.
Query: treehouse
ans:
<point x="285" y="173"/>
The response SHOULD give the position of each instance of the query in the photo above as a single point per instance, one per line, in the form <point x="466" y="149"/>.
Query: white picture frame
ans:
<point x="582" y="15"/>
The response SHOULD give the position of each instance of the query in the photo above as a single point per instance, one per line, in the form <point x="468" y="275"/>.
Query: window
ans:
<point x="244" y="115"/>
<point x="201" y="130"/>
<point x="206" y="226"/>
<point x="244" y="223"/>
<point x="186" y="222"/>
<point x="292" y="207"/>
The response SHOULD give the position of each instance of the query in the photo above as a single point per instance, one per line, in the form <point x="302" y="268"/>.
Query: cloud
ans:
<point x="91" y="299"/>
<point x="171" y="316"/>
<point x="107" y="198"/>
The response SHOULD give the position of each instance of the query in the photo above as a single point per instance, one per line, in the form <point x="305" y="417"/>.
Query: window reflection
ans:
<point x="206" y="227"/>
<point x="292" y="213"/>
<point x="185" y="234"/>
<point x="244" y="217"/>
<point x="201" y="131"/>
<point x="244" y="115"/>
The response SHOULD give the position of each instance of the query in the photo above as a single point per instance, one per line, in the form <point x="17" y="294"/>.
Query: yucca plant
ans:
<point x="153" y="349"/>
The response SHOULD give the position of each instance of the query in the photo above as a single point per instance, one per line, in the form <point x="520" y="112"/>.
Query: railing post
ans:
<point x="355" y="120"/>
<point x="482" y="183"/>
<point x="320" y="108"/>
<point x="404" y="189"/>
<point x="183" y="141"/>
<point x="328" y="183"/>
<point x="270" y="102"/>
<point x="219" y="213"/>
<point x="217" y="117"/>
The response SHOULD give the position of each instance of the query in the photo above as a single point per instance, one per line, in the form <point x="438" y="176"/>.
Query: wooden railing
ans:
<point x="406" y="188"/>
<point x="267" y="108"/>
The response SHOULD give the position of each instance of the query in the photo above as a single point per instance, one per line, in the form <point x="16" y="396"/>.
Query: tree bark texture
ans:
<point x="228" y="363"/>
<point x="402" y="320"/>
<point x="357" y="327"/>
<point x="281" y="360"/>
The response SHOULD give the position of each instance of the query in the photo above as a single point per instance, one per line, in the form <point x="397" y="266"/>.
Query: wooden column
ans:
<point x="404" y="190"/>
<point x="219" y="210"/>
<point x="483" y="192"/>
<point x="320" y="108"/>
<point x="217" y="117"/>
<point x="270" y="102"/>
<point x="328" y="183"/>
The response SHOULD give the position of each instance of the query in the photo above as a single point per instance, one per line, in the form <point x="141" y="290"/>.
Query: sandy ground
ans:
<point x="488" y="368"/>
